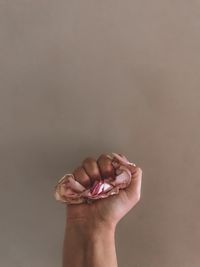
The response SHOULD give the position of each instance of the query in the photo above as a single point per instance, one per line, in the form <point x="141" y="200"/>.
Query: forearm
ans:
<point x="87" y="244"/>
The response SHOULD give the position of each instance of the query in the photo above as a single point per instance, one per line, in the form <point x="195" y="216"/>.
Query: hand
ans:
<point x="109" y="210"/>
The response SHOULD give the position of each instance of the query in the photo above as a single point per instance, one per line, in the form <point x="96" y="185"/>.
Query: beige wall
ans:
<point x="80" y="78"/>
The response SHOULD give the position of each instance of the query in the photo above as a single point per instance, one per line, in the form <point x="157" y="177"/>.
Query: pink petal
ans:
<point x="123" y="178"/>
<point x="70" y="191"/>
<point x="75" y="185"/>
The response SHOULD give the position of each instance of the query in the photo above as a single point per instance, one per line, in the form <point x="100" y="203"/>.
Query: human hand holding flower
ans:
<point x="98" y="195"/>
<point x="111" y="209"/>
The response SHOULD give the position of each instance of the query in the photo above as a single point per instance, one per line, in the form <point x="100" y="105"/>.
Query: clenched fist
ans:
<point x="102" y="173"/>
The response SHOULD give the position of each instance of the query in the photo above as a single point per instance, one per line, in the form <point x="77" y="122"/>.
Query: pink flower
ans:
<point x="68" y="190"/>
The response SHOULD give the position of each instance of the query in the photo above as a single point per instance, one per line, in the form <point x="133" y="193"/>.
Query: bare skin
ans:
<point x="90" y="228"/>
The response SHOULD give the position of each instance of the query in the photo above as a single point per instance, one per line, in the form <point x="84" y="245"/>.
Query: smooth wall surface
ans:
<point x="80" y="78"/>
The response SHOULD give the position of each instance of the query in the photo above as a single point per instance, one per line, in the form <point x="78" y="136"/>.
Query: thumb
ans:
<point x="133" y="191"/>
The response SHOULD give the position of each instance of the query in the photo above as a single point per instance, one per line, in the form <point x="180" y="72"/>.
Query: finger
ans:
<point x="91" y="167"/>
<point x="82" y="177"/>
<point x="134" y="189"/>
<point x="105" y="166"/>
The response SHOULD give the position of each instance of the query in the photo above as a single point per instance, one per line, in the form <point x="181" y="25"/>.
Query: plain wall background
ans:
<point x="80" y="78"/>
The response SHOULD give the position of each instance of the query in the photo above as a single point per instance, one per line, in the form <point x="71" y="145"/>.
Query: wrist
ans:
<point x="86" y="242"/>
<point x="90" y="228"/>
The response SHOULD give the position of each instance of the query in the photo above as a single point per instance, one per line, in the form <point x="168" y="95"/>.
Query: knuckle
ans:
<point x="102" y="157"/>
<point x="77" y="169"/>
<point x="88" y="160"/>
